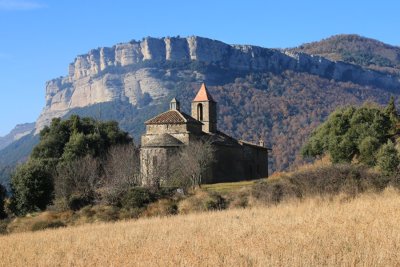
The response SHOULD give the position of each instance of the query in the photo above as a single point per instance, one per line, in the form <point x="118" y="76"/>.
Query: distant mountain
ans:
<point x="17" y="133"/>
<point x="275" y="95"/>
<point x="357" y="50"/>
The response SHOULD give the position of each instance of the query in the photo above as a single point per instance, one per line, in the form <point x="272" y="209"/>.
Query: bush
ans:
<point x="76" y="202"/>
<point x="327" y="180"/>
<point x="388" y="158"/>
<point x="3" y="227"/>
<point x="239" y="199"/>
<point x="163" y="207"/>
<point x="273" y="192"/>
<point x="132" y="213"/>
<point x="138" y="197"/>
<point x="106" y="213"/>
<point x="202" y="201"/>
<point x="32" y="188"/>
<point x="42" y="225"/>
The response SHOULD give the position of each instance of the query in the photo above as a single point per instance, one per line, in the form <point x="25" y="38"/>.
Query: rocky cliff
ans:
<point x="122" y="72"/>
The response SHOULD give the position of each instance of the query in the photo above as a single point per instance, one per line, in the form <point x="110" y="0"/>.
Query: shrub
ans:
<point x="239" y="199"/>
<point x="273" y="192"/>
<point x="32" y="188"/>
<point x="163" y="207"/>
<point x="138" y="197"/>
<point x="202" y="201"/>
<point x="76" y="202"/>
<point x="132" y="213"/>
<point x="87" y="212"/>
<point x="334" y="179"/>
<point x="3" y="227"/>
<point x="215" y="202"/>
<point x="388" y="158"/>
<point x="106" y="213"/>
<point x="42" y="225"/>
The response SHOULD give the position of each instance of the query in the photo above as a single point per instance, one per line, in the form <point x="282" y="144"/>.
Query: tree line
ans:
<point x="81" y="161"/>
<point x="365" y="135"/>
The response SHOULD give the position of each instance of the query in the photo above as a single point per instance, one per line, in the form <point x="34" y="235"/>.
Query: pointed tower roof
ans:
<point x="203" y="94"/>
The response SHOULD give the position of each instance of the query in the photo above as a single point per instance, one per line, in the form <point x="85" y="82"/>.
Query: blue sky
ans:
<point x="39" y="38"/>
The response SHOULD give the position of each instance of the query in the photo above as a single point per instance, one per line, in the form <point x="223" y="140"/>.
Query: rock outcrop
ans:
<point x="109" y="73"/>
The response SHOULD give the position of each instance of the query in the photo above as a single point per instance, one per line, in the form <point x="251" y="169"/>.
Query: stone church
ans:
<point x="235" y="160"/>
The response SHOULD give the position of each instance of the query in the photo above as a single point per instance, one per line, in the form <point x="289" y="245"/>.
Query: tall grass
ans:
<point x="342" y="231"/>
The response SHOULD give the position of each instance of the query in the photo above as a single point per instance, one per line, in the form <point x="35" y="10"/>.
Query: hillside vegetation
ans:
<point x="316" y="231"/>
<point x="84" y="171"/>
<point x="355" y="49"/>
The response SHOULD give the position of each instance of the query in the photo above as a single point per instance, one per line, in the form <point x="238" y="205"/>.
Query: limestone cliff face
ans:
<point x="92" y="78"/>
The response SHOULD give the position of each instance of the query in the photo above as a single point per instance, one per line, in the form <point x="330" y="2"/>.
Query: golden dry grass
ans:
<point x="360" y="232"/>
<point x="224" y="188"/>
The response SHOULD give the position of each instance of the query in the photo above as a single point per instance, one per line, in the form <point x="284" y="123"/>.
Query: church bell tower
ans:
<point x="204" y="109"/>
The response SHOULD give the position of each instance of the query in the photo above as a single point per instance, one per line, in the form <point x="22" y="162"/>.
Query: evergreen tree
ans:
<point x="391" y="111"/>
<point x="60" y="144"/>
<point x="368" y="148"/>
<point x="388" y="158"/>
<point x="351" y="132"/>
<point x="31" y="187"/>
<point x="391" y="108"/>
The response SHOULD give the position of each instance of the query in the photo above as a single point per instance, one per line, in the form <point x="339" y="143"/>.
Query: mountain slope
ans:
<point x="17" y="133"/>
<point x="357" y="50"/>
<point x="278" y="96"/>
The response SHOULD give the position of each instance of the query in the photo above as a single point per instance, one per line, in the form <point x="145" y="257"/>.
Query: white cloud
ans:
<point x="19" y="5"/>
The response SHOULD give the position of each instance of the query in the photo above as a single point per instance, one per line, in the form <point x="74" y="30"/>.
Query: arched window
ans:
<point x="200" y="112"/>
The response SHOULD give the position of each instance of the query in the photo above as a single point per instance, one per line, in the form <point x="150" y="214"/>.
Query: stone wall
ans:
<point x="154" y="164"/>
<point x="237" y="163"/>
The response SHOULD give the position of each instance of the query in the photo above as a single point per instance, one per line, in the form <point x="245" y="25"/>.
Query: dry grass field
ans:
<point x="364" y="231"/>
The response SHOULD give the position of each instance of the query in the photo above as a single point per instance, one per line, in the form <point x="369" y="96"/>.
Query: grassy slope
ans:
<point x="314" y="232"/>
<point x="224" y="188"/>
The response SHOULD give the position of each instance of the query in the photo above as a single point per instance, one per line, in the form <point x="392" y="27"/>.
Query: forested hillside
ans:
<point x="357" y="50"/>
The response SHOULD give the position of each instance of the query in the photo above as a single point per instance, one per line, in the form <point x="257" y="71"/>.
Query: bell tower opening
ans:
<point x="200" y="112"/>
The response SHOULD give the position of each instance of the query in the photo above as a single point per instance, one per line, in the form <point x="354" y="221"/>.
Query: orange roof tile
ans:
<point x="203" y="94"/>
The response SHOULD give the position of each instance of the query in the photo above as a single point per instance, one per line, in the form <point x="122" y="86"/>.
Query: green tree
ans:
<point x="31" y="187"/>
<point x="63" y="145"/>
<point x="368" y="148"/>
<point x="388" y="158"/>
<point x="341" y="148"/>
<point x="3" y="194"/>
<point x="391" y="111"/>
<point x="351" y="132"/>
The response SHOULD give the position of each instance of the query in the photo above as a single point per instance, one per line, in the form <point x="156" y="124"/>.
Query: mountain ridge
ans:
<point x="276" y="95"/>
<point x="91" y="81"/>
<point x="356" y="49"/>
<point x="19" y="131"/>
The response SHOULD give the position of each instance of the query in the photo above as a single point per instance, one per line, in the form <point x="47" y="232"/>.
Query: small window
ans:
<point x="200" y="112"/>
